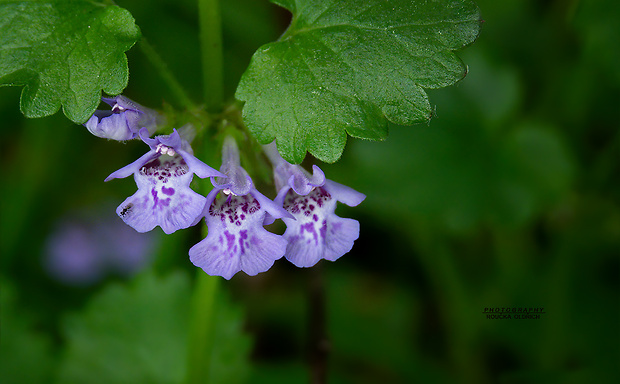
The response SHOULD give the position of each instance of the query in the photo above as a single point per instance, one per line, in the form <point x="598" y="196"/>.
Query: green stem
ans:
<point x="212" y="56"/>
<point x="201" y="329"/>
<point x="202" y="323"/>
<point x="175" y="87"/>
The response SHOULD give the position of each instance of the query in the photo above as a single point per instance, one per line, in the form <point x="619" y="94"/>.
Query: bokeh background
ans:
<point x="510" y="197"/>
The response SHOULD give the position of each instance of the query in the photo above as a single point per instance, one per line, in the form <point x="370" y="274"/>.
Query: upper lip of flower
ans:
<point x="238" y="181"/>
<point x="123" y="121"/>
<point x="300" y="180"/>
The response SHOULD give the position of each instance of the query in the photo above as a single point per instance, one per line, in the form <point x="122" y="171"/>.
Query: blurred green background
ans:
<point x="510" y="197"/>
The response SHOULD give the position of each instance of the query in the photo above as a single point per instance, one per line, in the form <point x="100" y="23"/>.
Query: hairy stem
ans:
<point x="211" y="51"/>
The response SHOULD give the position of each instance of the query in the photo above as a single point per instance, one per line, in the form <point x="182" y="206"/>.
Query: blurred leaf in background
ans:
<point x="129" y="334"/>
<point x="138" y="334"/>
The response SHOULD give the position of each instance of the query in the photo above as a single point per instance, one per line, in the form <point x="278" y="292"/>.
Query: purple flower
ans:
<point x="317" y="233"/>
<point x="163" y="176"/>
<point x="237" y="240"/>
<point x="123" y="121"/>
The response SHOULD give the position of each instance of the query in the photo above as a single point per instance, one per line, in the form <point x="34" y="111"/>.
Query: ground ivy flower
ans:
<point x="316" y="233"/>
<point x="237" y="240"/>
<point x="163" y="176"/>
<point x="123" y="121"/>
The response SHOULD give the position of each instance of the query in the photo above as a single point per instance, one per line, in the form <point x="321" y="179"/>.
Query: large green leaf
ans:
<point x="349" y="66"/>
<point x="137" y="333"/>
<point x="64" y="52"/>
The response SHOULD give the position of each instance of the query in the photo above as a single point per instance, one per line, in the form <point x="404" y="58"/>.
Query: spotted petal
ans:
<point x="317" y="233"/>
<point x="237" y="240"/>
<point x="163" y="197"/>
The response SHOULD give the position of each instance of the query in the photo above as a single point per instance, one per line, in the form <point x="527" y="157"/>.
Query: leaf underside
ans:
<point x="350" y="66"/>
<point x="64" y="53"/>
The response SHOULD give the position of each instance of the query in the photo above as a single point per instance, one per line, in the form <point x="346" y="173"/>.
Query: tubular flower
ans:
<point x="123" y="121"/>
<point x="317" y="233"/>
<point x="163" y="176"/>
<point x="237" y="240"/>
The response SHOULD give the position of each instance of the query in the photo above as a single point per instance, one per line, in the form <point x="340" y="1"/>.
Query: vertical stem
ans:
<point x="319" y="343"/>
<point x="211" y="50"/>
<point x="202" y="322"/>
<point x="201" y="328"/>
<point x="200" y="343"/>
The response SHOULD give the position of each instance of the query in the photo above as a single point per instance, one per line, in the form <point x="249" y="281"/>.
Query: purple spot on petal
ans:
<point x="309" y="227"/>
<point x="230" y="240"/>
<point x="323" y="229"/>
<point x="160" y="172"/>
<point x="155" y="199"/>
<point x="242" y="236"/>
<point x="168" y="191"/>
<point x="234" y="209"/>
<point x="297" y="204"/>
<point x="336" y="227"/>
<point x="315" y="218"/>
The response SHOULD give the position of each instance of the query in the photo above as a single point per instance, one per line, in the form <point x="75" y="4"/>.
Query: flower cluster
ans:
<point x="235" y="212"/>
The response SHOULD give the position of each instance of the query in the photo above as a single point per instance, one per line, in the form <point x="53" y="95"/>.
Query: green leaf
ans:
<point x="130" y="334"/>
<point x="64" y="53"/>
<point x="350" y="67"/>
<point x="137" y="333"/>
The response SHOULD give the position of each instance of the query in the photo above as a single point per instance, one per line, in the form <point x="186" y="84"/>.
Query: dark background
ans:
<point x="510" y="197"/>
